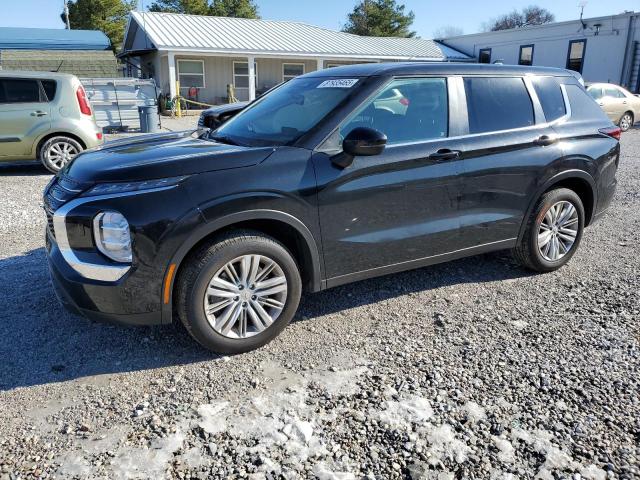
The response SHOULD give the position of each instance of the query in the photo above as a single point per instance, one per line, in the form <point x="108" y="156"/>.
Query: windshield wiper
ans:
<point x="225" y="139"/>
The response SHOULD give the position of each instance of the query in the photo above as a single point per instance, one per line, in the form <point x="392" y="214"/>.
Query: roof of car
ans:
<point x="33" y="74"/>
<point x="444" y="68"/>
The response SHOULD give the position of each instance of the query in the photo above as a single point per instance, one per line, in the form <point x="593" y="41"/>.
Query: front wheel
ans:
<point x="553" y="231"/>
<point x="56" y="152"/>
<point x="626" y="121"/>
<point x="238" y="293"/>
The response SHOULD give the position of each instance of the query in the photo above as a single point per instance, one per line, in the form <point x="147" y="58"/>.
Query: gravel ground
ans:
<point x="471" y="369"/>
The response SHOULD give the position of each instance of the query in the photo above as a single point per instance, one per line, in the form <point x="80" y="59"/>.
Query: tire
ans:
<point x="626" y="121"/>
<point x="529" y="253"/>
<point x="56" y="152"/>
<point x="210" y="263"/>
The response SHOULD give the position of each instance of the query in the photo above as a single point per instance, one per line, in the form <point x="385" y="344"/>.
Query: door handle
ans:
<point x="444" y="154"/>
<point x="544" y="140"/>
<point x="601" y="104"/>
<point x="39" y="113"/>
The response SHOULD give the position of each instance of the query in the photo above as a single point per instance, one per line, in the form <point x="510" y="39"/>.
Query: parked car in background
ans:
<point x="319" y="184"/>
<point x="620" y="105"/>
<point x="213" y="117"/>
<point x="45" y="116"/>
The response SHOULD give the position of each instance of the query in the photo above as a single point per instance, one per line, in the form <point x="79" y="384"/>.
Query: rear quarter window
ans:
<point x="50" y="87"/>
<point x="497" y="104"/>
<point x="583" y="107"/>
<point x="550" y="96"/>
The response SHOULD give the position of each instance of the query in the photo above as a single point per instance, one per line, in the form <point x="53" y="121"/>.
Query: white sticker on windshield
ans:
<point x="338" y="83"/>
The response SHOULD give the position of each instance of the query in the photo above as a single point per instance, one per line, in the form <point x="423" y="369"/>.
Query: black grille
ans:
<point x="60" y="191"/>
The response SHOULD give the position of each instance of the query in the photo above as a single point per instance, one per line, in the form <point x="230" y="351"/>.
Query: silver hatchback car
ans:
<point x="45" y="116"/>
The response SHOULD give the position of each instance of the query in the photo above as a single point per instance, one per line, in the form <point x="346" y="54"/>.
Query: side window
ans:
<point x="550" y="96"/>
<point x="497" y="104"/>
<point x="406" y="110"/>
<point x="526" y="55"/>
<point x="575" y="55"/>
<point x="484" y="56"/>
<point x="595" y="92"/>
<point x="50" y="87"/>
<point x="613" y="92"/>
<point x="19" y="91"/>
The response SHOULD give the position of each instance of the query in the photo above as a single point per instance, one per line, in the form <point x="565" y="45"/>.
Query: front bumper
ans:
<point x="98" y="301"/>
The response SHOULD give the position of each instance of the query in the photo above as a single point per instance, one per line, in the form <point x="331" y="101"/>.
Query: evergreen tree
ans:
<point x="380" y="18"/>
<point x="109" y="16"/>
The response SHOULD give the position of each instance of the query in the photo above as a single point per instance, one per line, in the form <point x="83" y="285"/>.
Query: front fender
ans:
<point x="200" y="230"/>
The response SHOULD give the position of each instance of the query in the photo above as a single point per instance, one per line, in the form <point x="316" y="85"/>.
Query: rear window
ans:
<point x="497" y="104"/>
<point x="550" y="96"/>
<point x="50" y="88"/>
<point x="19" y="91"/>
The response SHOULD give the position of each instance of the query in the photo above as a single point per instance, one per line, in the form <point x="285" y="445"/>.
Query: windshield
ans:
<point x="287" y="113"/>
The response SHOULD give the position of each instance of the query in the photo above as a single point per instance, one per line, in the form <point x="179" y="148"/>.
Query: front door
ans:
<point x="400" y="206"/>
<point x="24" y="115"/>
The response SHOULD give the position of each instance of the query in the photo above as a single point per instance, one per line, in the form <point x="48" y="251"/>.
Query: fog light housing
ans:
<point x="112" y="236"/>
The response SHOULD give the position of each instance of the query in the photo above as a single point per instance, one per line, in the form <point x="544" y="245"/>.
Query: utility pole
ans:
<point x="66" y="14"/>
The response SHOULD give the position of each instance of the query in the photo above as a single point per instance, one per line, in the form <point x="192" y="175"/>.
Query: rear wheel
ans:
<point x="626" y="121"/>
<point x="56" y="152"/>
<point x="238" y="293"/>
<point x="553" y="231"/>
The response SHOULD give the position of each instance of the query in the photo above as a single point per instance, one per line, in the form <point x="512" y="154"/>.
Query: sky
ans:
<point x="430" y="14"/>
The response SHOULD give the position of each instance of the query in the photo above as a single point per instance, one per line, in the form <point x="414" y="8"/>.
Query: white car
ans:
<point x="620" y="105"/>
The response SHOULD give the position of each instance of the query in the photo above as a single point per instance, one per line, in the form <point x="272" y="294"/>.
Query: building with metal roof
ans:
<point x="86" y="53"/>
<point x="206" y="54"/>
<point x="601" y="49"/>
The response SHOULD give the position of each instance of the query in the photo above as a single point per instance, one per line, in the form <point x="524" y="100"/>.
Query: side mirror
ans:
<point x="363" y="141"/>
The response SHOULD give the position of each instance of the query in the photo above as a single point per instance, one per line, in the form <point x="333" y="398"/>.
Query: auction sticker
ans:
<point x="338" y="83"/>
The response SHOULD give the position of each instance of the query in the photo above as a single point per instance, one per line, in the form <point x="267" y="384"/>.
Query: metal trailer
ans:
<point x="115" y="101"/>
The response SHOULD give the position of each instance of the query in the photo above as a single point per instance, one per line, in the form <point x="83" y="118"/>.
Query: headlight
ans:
<point x="113" y="239"/>
<point x="123" y="187"/>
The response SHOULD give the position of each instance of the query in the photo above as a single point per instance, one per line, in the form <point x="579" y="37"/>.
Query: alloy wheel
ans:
<point x="625" y="122"/>
<point x="60" y="153"/>
<point x="245" y="296"/>
<point x="558" y="231"/>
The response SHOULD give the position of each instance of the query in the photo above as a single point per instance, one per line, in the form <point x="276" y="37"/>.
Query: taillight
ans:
<point x="83" y="103"/>
<point x="613" y="132"/>
<point x="404" y="101"/>
<point x="99" y="136"/>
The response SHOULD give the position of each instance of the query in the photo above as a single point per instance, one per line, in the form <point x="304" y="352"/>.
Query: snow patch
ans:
<point x="591" y="472"/>
<point x="444" y="445"/>
<point x="401" y="414"/>
<point x="322" y="472"/>
<point x="506" y="452"/>
<point x="474" y="412"/>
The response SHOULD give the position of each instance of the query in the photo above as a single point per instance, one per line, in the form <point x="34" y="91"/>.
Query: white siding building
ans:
<point x="207" y="53"/>
<point x="603" y="49"/>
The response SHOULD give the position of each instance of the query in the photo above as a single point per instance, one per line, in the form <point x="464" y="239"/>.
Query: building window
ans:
<point x="191" y="73"/>
<point x="241" y="74"/>
<point x="292" y="70"/>
<point x="575" y="55"/>
<point x="332" y="65"/>
<point x="526" y="55"/>
<point x="484" y="56"/>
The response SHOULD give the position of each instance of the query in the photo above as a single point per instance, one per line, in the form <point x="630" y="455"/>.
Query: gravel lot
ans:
<point x="471" y="369"/>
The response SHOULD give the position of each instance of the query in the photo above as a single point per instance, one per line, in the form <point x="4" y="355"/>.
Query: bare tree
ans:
<point x="448" y="31"/>
<point x="532" y="15"/>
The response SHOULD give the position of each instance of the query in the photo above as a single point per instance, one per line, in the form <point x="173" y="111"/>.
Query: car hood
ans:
<point x="160" y="156"/>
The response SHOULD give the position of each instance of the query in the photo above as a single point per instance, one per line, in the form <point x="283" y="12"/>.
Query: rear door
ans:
<point x="509" y="147"/>
<point x="614" y="103"/>
<point x="400" y="206"/>
<point x="24" y="115"/>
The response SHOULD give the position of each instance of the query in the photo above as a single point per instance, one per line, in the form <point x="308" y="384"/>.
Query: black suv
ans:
<point x="337" y="176"/>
